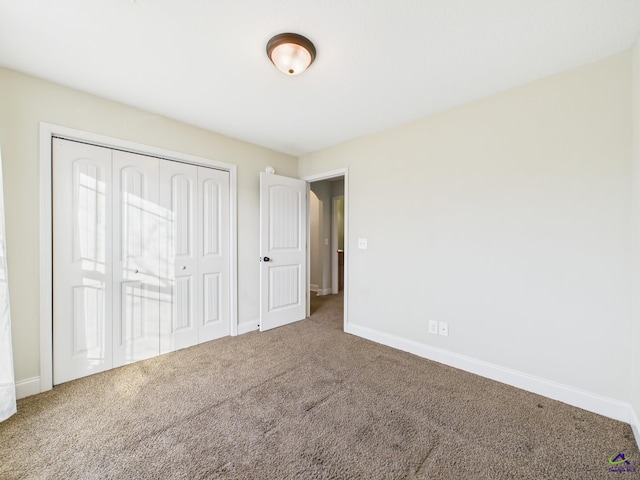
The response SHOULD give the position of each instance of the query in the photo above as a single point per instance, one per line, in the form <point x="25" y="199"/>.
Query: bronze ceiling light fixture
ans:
<point x="291" y="53"/>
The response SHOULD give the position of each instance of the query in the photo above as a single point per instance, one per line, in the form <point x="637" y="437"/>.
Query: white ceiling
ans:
<point x="379" y="63"/>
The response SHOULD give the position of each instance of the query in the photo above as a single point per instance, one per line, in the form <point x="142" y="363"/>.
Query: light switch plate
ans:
<point x="362" y="243"/>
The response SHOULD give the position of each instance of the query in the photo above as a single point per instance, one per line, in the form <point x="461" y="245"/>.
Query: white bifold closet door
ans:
<point x="178" y="305"/>
<point x="141" y="257"/>
<point x="137" y="231"/>
<point x="194" y="296"/>
<point x="82" y="260"/>
<point x="213" y="223"/>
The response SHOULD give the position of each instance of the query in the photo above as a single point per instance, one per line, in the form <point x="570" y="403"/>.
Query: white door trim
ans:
<point x="335" y="287"/>
<point x="341" y="172"/>
<point x="47" y="131"/>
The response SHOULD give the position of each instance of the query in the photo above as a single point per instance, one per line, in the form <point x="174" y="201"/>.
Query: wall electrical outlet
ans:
<point x="362" y="243"/>
<point x="443" y="329"/>
<point x="433" y="327"/>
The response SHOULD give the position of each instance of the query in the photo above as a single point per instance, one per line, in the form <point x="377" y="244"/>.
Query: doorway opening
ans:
<point x="327" y="252"/>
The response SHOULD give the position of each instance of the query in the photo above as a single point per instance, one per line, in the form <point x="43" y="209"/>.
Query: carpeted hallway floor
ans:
<point x="305" y="401"/>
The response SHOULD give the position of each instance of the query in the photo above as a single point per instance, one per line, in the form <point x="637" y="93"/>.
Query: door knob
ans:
<point x="136" y="271"/>
<point x="184" y="267"/>
<point x="265" y="259"/>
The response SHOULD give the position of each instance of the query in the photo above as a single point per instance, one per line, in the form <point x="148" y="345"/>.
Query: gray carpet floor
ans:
<point x="304" y="401"/>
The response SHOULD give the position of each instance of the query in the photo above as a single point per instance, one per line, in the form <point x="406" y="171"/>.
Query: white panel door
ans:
<point x="213" y="254"/>
<point x="82" y="278"/>
<point x="137" y="226"/>
<point x="283" y="239"/>
<point x="178" y="256"/>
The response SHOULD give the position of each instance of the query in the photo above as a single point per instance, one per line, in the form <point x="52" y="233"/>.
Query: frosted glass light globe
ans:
<point x="291" y="53"/>
<point x="290" y="58"/>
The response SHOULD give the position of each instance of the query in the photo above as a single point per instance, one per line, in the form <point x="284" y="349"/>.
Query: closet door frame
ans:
<point x="47" y="132"/>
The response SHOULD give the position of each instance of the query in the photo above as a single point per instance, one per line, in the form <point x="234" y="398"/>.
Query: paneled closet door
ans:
<point x="179" y="306"/>
<point x="213" y="253"/>
<point x="138" y="223"/>
<point x="82" y="279"/>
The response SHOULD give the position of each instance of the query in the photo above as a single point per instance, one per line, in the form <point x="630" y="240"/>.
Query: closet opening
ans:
<point x="140" y="246"/>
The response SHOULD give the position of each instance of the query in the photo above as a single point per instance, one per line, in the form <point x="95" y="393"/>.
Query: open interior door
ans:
<point x="283" y="241"/>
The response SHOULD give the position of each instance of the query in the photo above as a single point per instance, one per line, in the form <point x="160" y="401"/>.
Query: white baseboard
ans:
<point x="246" y="327"/>
<point x="601" y="405"/>
<point x="635" y="425"/>
<point x="28" y="387"/>
<point x="319" y="291"/>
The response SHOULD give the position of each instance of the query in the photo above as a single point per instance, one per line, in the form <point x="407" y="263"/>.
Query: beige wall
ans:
<point x="24" y="102"/>
<point x="635" y="367"/>
<point x="507" y="217"/>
